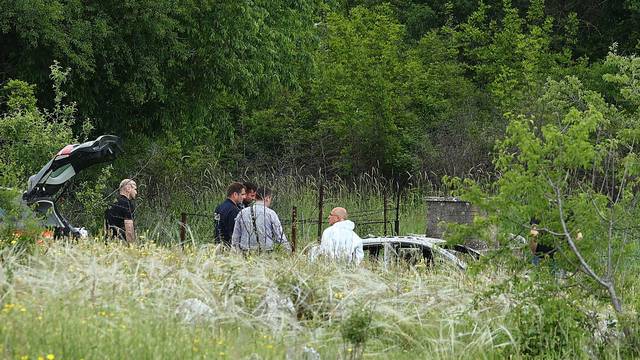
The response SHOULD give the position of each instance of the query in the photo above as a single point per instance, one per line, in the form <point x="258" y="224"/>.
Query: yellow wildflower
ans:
<point x="51" y="357"/>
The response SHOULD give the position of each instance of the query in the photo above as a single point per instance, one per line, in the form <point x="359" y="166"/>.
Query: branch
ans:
<point x="608" y="284"/>
<point x="585" y="267"/>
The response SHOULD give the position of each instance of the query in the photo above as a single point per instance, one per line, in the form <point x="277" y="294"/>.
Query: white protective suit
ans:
<point x="339" y="241"/>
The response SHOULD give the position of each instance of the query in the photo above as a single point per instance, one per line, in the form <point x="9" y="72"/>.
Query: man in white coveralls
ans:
<point x="339" y="241"/>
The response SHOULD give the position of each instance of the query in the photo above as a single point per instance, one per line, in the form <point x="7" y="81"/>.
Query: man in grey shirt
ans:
<point x="258" y="227"/>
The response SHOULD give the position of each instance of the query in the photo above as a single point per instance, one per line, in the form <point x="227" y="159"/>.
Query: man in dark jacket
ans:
<point x="225" y="214"/>
<point x="121" y="214"/>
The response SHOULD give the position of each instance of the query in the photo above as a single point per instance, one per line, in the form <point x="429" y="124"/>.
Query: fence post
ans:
<point x="397" y="222"/>
<point x="294" y="228"/>
<point x="183" y="227"/>
<point x="320" y="204"/>
<point x="385" y="202"/>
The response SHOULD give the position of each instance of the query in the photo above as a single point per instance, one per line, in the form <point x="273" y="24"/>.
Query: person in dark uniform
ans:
<point x="120" y="216"/>
<point x="225" y="214"/>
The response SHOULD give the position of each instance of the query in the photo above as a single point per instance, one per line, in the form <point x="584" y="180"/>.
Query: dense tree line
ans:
<point x="342" y="85"/>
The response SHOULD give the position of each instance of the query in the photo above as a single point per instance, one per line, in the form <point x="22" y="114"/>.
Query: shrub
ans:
<point x="547" y="325"/>
<point x="19" y="229"/>
<point x="35" y="134"/>
<point x="356" y="329"/>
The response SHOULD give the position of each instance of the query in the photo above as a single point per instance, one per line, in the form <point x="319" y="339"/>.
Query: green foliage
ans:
<point x="401" y="85"/>
<point x="512" y="56"/>
<point x="547" y="325"/>
<point x="281" y="135"/>
<point x="30" y="136"/>
<point x="19" y="230"/>
<point x="19" y="96"/>
<point x="573" y="167"/>
<point x="160" y="65"/>
<point x="90" y="196"/>
<point x="453" y="130"/>
<point x="480" y="229"/>
<point x="360" y="92"/>
<point x="564" y="153"/>
<point x="545" y="320"/>
<point x="356" y="329"/>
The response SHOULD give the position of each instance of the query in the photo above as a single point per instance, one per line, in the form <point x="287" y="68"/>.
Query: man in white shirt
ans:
<point x="339" y="241"/>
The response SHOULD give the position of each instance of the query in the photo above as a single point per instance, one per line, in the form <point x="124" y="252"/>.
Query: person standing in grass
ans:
<point x="257" y="227"/>
<point x="225" y="214"/>
<point x="251" y="189"/>
<point x="120" y="215"/>
<point x="339" y="241"/>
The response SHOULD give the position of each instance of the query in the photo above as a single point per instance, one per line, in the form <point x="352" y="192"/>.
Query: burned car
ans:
<point x="416" y="247"/>
<point x="44" y="187"/>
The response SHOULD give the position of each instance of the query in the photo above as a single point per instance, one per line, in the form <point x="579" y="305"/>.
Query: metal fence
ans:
<point x="377" y="220"/>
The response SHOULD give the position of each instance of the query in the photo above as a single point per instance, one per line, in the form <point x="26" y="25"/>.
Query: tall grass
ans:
<point x="94" y="301"/>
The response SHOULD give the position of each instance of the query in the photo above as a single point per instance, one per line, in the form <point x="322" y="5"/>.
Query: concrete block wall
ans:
<point x="449" y="210"/>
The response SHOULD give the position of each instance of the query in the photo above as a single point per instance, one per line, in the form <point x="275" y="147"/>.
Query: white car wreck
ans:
<point x="396" y="247"/>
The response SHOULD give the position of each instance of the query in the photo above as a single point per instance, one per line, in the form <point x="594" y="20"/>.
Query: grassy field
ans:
<point x="94" y="301"/>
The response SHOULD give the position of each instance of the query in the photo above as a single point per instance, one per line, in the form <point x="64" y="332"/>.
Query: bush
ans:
<point x="356" y="329"/>
<point x="36" y="134"/>
<point x="550" y="326"/>
<point x="19" y="229"/>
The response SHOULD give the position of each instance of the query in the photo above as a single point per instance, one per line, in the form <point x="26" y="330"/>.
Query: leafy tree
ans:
<point x="453" y="124"/>
<point x="282" y="136"/>
<point x="30" y="136"/>
<point x="512" y="57"/>
<point x="190" y="68"/>
<point x="575" y="168"/>
<point x="360" y="93"/>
